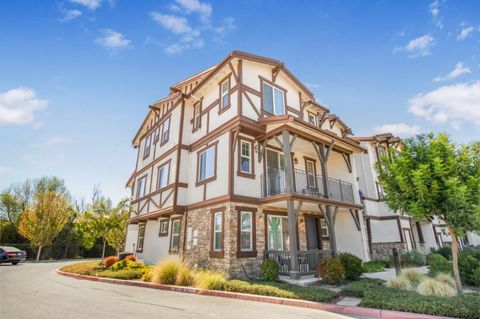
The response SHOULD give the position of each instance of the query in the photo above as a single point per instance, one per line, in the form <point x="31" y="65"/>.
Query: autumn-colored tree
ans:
<point x="434" y="178"/>
<point x="44" y="219"/>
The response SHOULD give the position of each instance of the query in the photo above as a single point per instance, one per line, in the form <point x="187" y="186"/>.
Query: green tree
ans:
<point x="10" y="206"/>
<point x="44" y="220"/>
<point x="118" y="225"/>
<point x="432" y="177"/>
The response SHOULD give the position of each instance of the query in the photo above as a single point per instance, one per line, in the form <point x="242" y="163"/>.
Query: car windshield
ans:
<point x="7" y="248"/>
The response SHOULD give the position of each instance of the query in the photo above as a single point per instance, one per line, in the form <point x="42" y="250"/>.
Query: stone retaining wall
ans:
<point x="383" y="251"/>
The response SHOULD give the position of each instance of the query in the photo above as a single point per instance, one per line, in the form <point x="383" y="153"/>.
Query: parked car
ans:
<point x="12" y="255"/>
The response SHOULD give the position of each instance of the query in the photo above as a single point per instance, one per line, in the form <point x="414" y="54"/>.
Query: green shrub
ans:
<point x="166" y="272"/>
<point x="147" y="274"/>
<point x="445" y="251"/>
<point x="209" y="280"/>
<point x="472" y="251"/>
<point x="352" y="265"/>
<point x="467" y="264"/>
<point x="331" y="270"/>
<point x="375" y="295"/>
<point x="440" y="266"/>
<point x="282" y="290"/>
<point x="413" y="258"/>
<point x="126" y="274"/>
<point x="374" y="266"/>
<point x="269" y="270"/>
<point x="433" y="287"/>
<point x="119" y="265"/>
<point x="476" y="277"/>
<point x="434" y="257"/>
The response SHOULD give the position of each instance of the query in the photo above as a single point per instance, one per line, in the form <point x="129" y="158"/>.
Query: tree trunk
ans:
<point x="38" y="252"/>
<point x="456" y="273"/>
<point x="103" y="250"/>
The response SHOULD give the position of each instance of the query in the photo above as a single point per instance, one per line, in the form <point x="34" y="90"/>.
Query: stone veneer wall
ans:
<point x="197" y="250"/>
<point x="383" y="251"/>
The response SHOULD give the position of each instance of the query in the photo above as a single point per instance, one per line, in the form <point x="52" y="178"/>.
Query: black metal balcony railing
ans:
<point x="273" y="183"/>
<point x="307" y="259"/>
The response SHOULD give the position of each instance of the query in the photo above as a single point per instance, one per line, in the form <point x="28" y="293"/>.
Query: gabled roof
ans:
<point x="384" y="137"/>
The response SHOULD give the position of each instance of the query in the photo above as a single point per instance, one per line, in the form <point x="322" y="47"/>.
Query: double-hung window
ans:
<point x="141" y="187"/>
<point x="141" y="236"/>
<point x="175" y="235"/>
<point x="156" y="135"/>
<point x="165" y="131"/>
<point x="312" y="119"/>
<point x="148" y="144"/>
<point x="206" y="164"/>
<point x="273" y="99"/>
<point x="163" y="175"/>
<point x="225" y="94"/>
<point x="245" y="157"/>
<point x="197" y="116"/>
<point x="163" y="228"/>
<point x="217" y="244"/>
<point x="246" y="231"/>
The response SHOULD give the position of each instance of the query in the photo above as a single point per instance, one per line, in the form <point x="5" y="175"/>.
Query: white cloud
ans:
<point x="69" y="15"/>
<point x="418" y="47"/>
<point x="57" y="140"/>
<point x="400" y="129"/>
<point x="17" y="106"/>
<point x="464" y="33"/>
<point x="455" y="103"/>
<point x="459" y="70"/>
<point x="202" y="8"/>
<point x="434" y="9"/>
<point x="175" y="24"/>
<point x="90" y="4"/>
<point x="113" y="40"/>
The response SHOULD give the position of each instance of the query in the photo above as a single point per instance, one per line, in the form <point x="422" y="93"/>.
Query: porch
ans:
<point x="307" y="260"/>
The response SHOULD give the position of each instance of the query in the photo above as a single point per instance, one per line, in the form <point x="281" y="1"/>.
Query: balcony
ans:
<point x="306" y="184"/>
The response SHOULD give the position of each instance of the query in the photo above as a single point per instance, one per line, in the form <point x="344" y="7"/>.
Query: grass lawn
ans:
<point x="375" y="294"/>
<point x="374" y="266"/>
<point x="94" y="268"/>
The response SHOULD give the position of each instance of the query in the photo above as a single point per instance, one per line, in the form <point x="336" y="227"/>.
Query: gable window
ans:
<point x="163" y="228"/>
<point x="312" y="119"/>
<point x="141" y="186"/>
<point x="156" y="135"/>
<point x="148" y="144"/>
<point x="273" y="99"/>
<point x="197" y="116"/>
<point x="217" y="233"/>
<point x="141" y="236"/>
<point x="165" y="131"/>
<point x="225" y="94"/>
<point x="175" y="235"/>
<point x="206" y="164"/>
<point x="163" y="175"/>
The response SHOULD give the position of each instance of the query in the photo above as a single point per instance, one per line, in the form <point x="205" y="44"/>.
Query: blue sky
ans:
<point x="76" y="76"/>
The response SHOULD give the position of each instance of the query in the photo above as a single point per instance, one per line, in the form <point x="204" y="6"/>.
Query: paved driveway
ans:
<point x="36" y="291"/>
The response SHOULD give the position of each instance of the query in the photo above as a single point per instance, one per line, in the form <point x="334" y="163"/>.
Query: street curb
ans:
<point x="344" y="310"/>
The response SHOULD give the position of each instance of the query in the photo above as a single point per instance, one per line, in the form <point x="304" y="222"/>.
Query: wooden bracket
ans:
<point x="293" y="140"/>
<point x="278" y="141"/>
<point x="236" y="132"/>
<point x="346" y="132"/>
<point x="347" y="159"/>
<point x="275" y="71"/>
<point x="235" y="75"/>
<point x="355" y="217"/>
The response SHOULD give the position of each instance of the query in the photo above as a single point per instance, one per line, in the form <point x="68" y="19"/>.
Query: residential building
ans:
<point x="240" y="163"/>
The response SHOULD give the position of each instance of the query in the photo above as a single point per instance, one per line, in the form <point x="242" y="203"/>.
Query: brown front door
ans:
<point x="311" y="226"/>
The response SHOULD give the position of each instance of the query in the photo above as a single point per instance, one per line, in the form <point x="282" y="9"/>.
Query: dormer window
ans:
<point x="165" y="131"/>
<point x="312" y="119"/>
<point x="197" y="116"/>
<point x="225" y="94"/>
<point x="273" y="99"/>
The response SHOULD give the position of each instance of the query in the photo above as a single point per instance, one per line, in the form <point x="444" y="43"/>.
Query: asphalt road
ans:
<point x="36" y="291"/>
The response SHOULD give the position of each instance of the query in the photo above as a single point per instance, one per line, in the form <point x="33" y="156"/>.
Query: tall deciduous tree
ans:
<point x="434" y="178"/>
<point x="43" y="220"/>
<point x="118" y="225"/>
<point x="10" y="206"/>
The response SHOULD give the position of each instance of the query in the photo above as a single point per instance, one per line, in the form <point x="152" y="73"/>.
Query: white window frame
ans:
<point x="197" y="116"/>
<point x="163" y="230"/>
<point x="249" y="157"/>
<point x="275" y="111"/>
<point x="280" y="229"/>
<point x="165" y="131"/>
<point x="311" y="175"/>
<point x="216" y="231"/>
<point x="224" y="92"/>
<point x="141" y="186"/>
<point x="323" y="227"/>
<point x="161" y="173"/>
<point x="248" y="230"/>
<point x="148" y="144"/>
<point x="213" y="159"/>
<point x="141" y="238"/>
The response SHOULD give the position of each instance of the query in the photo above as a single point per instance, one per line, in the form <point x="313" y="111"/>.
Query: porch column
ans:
<point x="323" y="155"/>
<point x="292" y="215"/>
<point x="330" y="214"/>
